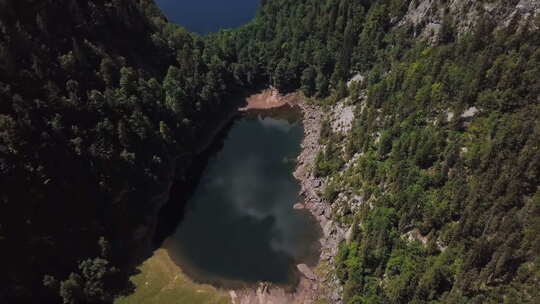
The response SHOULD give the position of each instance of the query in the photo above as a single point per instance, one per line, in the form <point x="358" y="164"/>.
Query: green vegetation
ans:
<point x="100" y="101"/>
<point x="468" y="186"/>
<point x="447" y="140"/>
<point x="162" y="282"/>
<point x="100" y="97"/>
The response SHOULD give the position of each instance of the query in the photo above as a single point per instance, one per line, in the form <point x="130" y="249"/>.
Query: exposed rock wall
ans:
<point x="325" y="285"/>
<point x="428" y="16"/>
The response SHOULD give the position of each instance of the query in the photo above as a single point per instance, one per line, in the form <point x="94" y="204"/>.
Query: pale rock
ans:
<point x="470" y="112"/>
<point x="299" y="206"/>
<point x="449" y="116"/>
<point x="306" y="271"/>
<point x="358" y="78"/>
<point x="328" y="228"/>
<point x="342" y="118"/>
<point x="349" y="234"/>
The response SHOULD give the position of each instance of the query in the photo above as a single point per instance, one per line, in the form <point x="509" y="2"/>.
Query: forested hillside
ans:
<point x="99" y="101"/>
<point x="439" y="177"/>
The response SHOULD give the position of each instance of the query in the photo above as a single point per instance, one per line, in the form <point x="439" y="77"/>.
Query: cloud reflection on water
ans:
<point x="240" y="223"/>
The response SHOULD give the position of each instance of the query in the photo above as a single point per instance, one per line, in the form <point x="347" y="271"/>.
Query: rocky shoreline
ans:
<point x="321" y="282"/>
<point x="326" y="285"/>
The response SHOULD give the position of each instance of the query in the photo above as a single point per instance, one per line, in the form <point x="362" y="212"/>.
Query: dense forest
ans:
<point x="444" y="148"/>
<point x="99" y="102"/>
<point x="102" y="103"/>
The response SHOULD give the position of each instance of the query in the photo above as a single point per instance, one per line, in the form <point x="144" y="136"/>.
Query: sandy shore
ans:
<point x="270" y="99"/>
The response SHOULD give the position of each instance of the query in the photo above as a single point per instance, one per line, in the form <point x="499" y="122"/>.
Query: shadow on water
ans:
<point x="231" y="222"/>
<point x="173" y="212"/>
<point x="211" y="143"/>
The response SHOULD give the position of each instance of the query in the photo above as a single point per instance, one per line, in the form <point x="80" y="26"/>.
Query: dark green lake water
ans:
<point x="240" y="226"/>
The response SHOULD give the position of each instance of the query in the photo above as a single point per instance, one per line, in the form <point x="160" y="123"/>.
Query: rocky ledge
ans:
<point x="325" y="284"/>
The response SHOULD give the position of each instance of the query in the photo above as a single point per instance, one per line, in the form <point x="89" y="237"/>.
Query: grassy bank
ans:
<point x="162" y="281"/>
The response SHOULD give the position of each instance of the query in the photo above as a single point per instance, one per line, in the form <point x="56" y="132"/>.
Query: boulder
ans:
<point x="470" y="112"/>
<point x="299" y="206"/>
<point x="328" y="228"/>
<point x="306" y="271"/>
<point x="349" y="234"/>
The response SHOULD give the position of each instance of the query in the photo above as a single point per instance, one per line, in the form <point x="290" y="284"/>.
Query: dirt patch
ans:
<point x="270" y="99"/>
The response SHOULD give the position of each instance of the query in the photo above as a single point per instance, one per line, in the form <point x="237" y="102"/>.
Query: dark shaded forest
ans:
<point x="100" y="102"/>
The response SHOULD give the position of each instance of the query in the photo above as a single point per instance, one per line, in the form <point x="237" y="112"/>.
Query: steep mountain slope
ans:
<point x="437" y="179"/>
